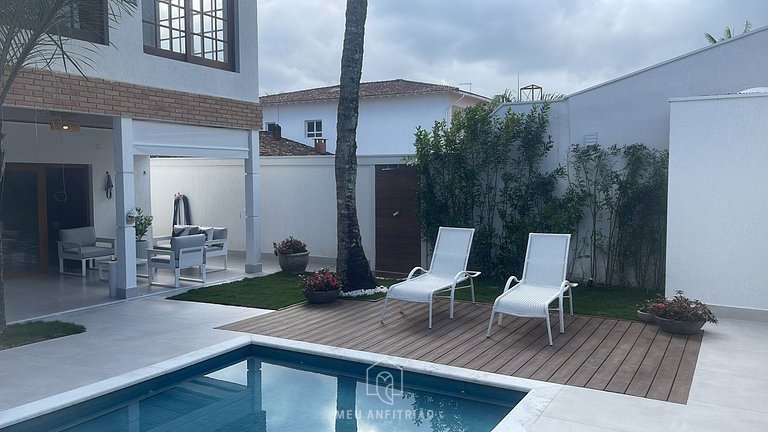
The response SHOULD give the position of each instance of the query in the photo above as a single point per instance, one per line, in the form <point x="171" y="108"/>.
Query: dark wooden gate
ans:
<point x="398" y="239"/>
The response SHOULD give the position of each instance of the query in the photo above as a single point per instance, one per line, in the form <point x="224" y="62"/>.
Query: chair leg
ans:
<point x="430" y="314"/>
<point x="150" y="272"/>
<point x="549" y="329"/>
<point x="225" y="261"/>
<point x="451" y="306"/>
<point x="472" y="287"/>
<point x="82" y="267"/>
<point x="202" y="270"/>
<point x="570" y="298"/>
<point x="402" y="305"/>
<point x="490" y="323"/>
<point x="384" y="311"/>
<point x="560" y="311"/>
<point x="177" y="274"/>
<point x="61" y="265"/>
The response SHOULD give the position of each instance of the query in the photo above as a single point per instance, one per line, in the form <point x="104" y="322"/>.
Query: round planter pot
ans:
<point x="645" y="316"/>
<point x="141" y="248"/>
<point x="679" y="327"/>
<point x="322" y="296"/>
<point x="294" y="263"/>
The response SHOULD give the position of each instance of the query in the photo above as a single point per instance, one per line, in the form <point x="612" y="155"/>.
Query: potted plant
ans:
<point x="141" y="223"/>
<point x="681" y="315"/>
<point x="644" y="309"/>
<point x="321" y="286"/>
<point x="292" y="255"/>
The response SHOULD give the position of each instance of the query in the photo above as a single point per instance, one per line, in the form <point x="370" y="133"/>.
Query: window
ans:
<point x="86" y="21"/>
<point x="195" y="31"/>
<point x="314" y="128"/>
<point x="270" y="126"/>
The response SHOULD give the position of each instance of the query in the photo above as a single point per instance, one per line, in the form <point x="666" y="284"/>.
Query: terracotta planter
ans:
<point x="294" y="263"/>
<point x="679" y="327"/>
<point x="322" y="296"/>
<point x="645" y="316"/>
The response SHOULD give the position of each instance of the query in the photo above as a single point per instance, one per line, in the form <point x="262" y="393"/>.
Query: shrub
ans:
<point x="289" y="246"/>
<point x="681" y="308"/>
<point x="141" y="223"/>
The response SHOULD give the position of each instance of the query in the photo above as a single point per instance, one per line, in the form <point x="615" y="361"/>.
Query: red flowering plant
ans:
<point x="320" y="281"/>
<point x="681" y="308"/>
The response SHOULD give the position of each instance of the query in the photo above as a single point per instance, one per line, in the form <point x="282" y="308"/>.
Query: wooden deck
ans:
<point x="619" y="356"/>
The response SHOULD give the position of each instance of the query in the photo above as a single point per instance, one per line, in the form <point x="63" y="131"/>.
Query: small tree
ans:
<point x="351" y="263"/>
<point x="727" y="34"/>
<point x="30" y="36"/>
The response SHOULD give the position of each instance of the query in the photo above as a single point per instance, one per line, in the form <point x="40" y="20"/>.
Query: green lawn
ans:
<point x="36" y="331"/>
<point x="279" y="290"/>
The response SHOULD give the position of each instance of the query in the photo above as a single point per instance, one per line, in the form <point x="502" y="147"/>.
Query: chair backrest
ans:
<point x="188" y="259"/>
<point x="451" y="251"/>
<point x="546" y="259"/>
<point x="85" y="236"/>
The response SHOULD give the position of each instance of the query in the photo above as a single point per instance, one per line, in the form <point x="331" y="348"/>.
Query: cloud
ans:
<point x="563" y="46"/>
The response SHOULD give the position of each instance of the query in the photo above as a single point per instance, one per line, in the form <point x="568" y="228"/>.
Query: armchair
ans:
<point x="185" y="252"/>
<point x="81" y="244"/>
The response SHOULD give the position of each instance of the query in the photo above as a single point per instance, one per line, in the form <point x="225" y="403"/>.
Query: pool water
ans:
<point x="266" y="389"/>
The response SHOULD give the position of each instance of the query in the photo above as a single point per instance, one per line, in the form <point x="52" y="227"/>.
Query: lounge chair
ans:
<point x="543" y="281"/>
<point x="81" y="244"/>
<point x="447" y="271"/>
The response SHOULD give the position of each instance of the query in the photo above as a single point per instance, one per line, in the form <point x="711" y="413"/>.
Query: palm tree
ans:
<point x="351" y="263"/>
<point x="727" y="34"/>
<point x="31" y="36"/>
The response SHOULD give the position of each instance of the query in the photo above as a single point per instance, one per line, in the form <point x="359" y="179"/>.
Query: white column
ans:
<point x="252" y="206"/>
<point x="125" y="234"/>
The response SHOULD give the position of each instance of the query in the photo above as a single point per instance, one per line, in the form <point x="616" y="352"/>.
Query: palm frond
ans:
<point x="711" y="39"/>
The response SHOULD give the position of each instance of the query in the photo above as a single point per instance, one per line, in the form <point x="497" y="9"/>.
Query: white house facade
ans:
<point x="170" y="79"/>
<point x="635" y="108"/>
<point x="390" y="112"/>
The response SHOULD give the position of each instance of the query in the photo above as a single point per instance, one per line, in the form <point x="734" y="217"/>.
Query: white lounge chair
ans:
<point x="448" y="269"/>
<point x="185" y="252"/>
<point x="543" y="281"/>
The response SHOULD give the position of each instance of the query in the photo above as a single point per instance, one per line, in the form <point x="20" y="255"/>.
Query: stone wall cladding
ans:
<point x="42" y="89"/>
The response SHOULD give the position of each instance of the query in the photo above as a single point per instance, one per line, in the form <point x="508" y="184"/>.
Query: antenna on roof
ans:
<point x="466" y="84"/>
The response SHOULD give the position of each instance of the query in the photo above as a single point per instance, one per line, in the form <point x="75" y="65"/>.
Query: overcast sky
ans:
<point x="564" y="45"/>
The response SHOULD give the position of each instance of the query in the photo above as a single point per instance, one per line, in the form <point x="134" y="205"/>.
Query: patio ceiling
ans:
<point x="43" y="116"/>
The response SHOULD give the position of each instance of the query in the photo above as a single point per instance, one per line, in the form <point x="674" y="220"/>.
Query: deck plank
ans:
<point x="606" y="354"/>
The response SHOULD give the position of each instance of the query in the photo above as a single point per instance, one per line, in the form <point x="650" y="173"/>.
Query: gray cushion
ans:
<point x="185" y="242"/>
<point x="219" y="233"/>
<point x="85" y="236"/>
<point x="96" y="251"/>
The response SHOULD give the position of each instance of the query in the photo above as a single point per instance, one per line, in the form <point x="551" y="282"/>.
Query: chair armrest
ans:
<point x="413" y="272"/>
<point x="70" y="245"/>
<point x="158" y="239"/>
<point x="109" y="241"/>
<point x="222" y="242"/>
<point x="567" y="285"/>
<point x="155" y="252"/>
<point x="509" y="282"/>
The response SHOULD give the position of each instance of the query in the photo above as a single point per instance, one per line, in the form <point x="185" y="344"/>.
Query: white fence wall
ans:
<point x="717" y="232"/>
<point x="298" y="198"/>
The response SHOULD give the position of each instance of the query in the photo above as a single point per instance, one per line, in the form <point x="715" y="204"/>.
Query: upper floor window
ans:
<point x="86" y="21"/>
<point x="314" y="128"/>
<point x="196" y="31"/>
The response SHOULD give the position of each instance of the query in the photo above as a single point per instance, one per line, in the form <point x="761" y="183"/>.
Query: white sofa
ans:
<point x="81" y="244"/>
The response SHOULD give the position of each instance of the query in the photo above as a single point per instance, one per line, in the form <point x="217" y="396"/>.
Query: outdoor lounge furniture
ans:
<point x="184" y="252"/>
<point x="81" y="244"/>
<point x="543" y="281"/>
<point x="216" y="243"/>
<point x="447" y="270"/>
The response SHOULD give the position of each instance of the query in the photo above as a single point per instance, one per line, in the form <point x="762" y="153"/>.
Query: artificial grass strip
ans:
<point x="279" y="290"/>
<point x="36" y="331"/>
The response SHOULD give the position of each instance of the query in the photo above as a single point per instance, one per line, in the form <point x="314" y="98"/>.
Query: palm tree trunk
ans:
<point x="351" y="263"/>
<point x="3" y="322"/>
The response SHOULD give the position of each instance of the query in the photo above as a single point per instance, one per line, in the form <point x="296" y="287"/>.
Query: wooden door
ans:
<point x="398" y="238"/>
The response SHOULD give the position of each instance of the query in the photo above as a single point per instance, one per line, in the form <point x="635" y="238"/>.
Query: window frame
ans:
<point x="315" y="132"/>
<point x="187" y="56"/>
<point x="98" y="36"/>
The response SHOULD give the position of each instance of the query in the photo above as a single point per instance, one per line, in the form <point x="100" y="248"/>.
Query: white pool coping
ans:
<point x="521" y="418"/>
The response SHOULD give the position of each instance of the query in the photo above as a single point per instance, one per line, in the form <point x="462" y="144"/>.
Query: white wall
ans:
<point x="386" y="125"/>
<point x="634" y="108"/>
<point x="717" y="232"/>
<point x="298" y="198"/>
<point x="125" y="61"/>
<point x="29" y="143"/>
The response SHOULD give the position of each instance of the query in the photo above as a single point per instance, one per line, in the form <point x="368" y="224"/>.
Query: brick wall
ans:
<point x="58" y="92"/>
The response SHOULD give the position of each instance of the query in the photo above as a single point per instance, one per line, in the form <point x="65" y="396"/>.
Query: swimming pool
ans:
<point x="258" y="387"/>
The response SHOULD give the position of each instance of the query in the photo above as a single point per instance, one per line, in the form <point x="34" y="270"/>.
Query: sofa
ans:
<point x="216" y="243"/>
<point x="81" y="244"/>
